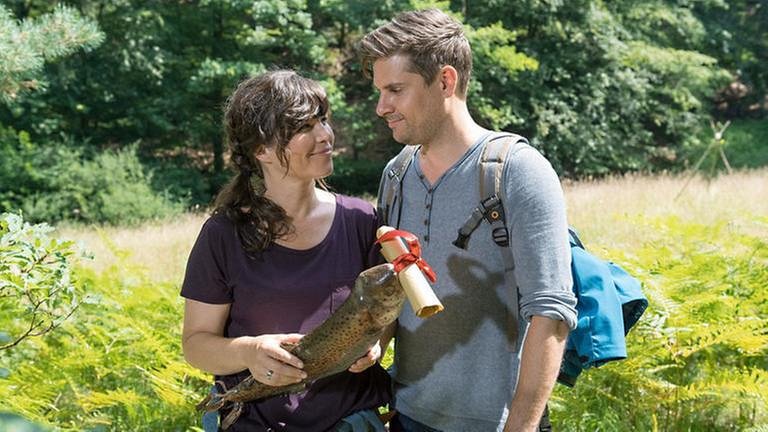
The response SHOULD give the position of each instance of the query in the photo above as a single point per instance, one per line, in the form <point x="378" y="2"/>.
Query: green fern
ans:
<point x="119" y="365"/>
<point x="697" y="359"/>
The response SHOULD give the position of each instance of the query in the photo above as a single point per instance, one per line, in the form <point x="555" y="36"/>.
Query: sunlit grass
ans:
<point x="598" y="209"/>
<point x="160" y="249"/>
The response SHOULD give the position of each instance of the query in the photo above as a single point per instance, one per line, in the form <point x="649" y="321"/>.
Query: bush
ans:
<point x="56" y="182"/>
<point x="184" y="180"/>
<point x="37" y="290"/>
<point x="356" y="177"/>
<point x="746" y="143"/>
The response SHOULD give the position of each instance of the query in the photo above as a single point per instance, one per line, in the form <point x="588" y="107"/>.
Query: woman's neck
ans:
<point x="298" y="199"/>
<point x="311" y="211"/>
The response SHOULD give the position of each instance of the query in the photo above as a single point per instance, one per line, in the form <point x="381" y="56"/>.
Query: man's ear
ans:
<point x="449" y="79"/>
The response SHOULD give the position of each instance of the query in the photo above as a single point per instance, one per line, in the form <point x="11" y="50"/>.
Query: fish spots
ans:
<point x="338" y="342"/>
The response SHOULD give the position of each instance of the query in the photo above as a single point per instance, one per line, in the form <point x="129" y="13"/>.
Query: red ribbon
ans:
<point x="411" y="257"/>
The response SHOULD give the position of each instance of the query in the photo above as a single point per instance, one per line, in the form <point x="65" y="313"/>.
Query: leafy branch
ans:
<point x="37" y="290"/>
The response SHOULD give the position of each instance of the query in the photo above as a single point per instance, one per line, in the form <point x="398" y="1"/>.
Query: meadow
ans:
<point x="698" y="358"/>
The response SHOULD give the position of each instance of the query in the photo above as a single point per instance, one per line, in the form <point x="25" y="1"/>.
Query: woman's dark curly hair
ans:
<point x="264" y="111"/>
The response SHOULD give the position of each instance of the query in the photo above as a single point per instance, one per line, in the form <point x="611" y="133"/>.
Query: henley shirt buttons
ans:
<point x="426" y="238"/>
<point x="428" y="206"/>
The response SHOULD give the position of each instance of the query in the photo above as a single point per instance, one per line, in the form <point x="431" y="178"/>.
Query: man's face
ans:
<point x="411" y="108"/>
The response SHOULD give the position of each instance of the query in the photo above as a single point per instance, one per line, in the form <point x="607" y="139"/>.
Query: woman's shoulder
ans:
<point x="354" y="203"/>
<point x="217" y="225"/>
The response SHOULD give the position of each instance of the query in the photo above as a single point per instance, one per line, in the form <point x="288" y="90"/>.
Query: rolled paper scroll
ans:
<point x="402" y="249"/>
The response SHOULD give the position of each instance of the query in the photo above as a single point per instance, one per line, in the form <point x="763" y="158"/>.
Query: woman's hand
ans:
<point x="269" y="362"/>
<point x="368" y="360"/>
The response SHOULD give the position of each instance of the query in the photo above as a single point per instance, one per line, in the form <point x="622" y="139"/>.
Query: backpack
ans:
<point x="609" y="300"/>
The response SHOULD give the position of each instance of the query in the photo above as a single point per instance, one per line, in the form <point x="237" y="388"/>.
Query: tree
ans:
<point x="25" y="46"/>
<point x="616" y="89"/>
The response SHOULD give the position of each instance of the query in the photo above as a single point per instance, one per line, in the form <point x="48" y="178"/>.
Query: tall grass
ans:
<point x="599" y="209"/>
<point x="117" y="364"/>
<point x="159" y="250"/>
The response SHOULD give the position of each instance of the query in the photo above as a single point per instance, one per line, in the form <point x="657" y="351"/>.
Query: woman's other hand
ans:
<point x="269" y="362"/>
<point x="369" y="359"/>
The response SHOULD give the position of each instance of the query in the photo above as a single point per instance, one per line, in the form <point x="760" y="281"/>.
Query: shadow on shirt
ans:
<point x="477" y="301"/>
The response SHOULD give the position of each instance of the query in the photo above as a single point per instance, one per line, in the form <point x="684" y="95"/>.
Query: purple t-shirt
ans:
<point x="290" y="291"/>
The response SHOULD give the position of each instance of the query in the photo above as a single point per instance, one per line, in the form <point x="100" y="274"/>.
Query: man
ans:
<point x="461" y="370"/>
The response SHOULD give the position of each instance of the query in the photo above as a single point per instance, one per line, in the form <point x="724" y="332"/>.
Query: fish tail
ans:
<point x="201" y="406"/>
<point x="212" y="402"/>
<point x="237" y="409"/>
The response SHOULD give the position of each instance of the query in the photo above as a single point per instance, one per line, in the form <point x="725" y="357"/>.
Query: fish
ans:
<point x="373" y="303"/>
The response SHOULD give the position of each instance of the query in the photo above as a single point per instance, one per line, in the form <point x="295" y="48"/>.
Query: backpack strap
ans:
<point x="491" y="207"/>
<point x="392" y="188"/>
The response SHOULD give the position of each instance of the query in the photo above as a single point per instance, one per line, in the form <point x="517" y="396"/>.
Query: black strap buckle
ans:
<point x="491" y="210"/>
<point x="500" y="236"/>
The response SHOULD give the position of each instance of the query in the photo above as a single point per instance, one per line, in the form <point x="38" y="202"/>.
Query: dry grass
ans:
<point x="161" y="248"/>
<point x="599" y="209"/>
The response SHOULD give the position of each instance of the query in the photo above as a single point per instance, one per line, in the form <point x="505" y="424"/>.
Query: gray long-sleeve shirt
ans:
<point x="457" y="371"/>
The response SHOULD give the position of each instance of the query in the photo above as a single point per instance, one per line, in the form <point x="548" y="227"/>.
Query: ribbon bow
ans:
<point x="411" y="257"/>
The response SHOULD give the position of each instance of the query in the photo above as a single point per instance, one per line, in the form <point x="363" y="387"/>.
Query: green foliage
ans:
<point x="746" y="143"/>
<point x="607" y="96"/>
<point x="57" y="182"/>
<point x="182" y="181"/>
<point x="164" y="70"/>
<point x="26" y="45"/>
<point x="497" y="62"/>
<point x="356" y="177"/>
<point x="738" y="37"/>
<point x="697" y="359"/>
<point x="118" y="365"/>
<point x="599" y="87"/>
<point x="37" y="289"/>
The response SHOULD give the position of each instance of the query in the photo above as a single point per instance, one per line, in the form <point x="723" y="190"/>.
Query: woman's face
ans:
<point x="308" y="152"/>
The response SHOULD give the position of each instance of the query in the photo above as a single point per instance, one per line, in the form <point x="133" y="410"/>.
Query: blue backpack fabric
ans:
<point x="609" y="300"/>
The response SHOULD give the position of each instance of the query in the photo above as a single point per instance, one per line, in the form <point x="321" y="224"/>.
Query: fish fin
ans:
<point x="298" y="387"/>
<point x="212" y="402"/>
<point x="233" y="415"/>
<point x="201" y="406"/>
<point x="289" y="346"/>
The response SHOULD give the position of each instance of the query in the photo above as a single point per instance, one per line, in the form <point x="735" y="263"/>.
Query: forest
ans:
<point x="654" y="113"/>
<point x="111" y="110"/>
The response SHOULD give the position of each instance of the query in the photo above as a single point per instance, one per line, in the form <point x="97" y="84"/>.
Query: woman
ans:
<point x="277" y="257"/>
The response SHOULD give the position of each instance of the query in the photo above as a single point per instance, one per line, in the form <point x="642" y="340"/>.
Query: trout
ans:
<point x="332" y="347"/>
